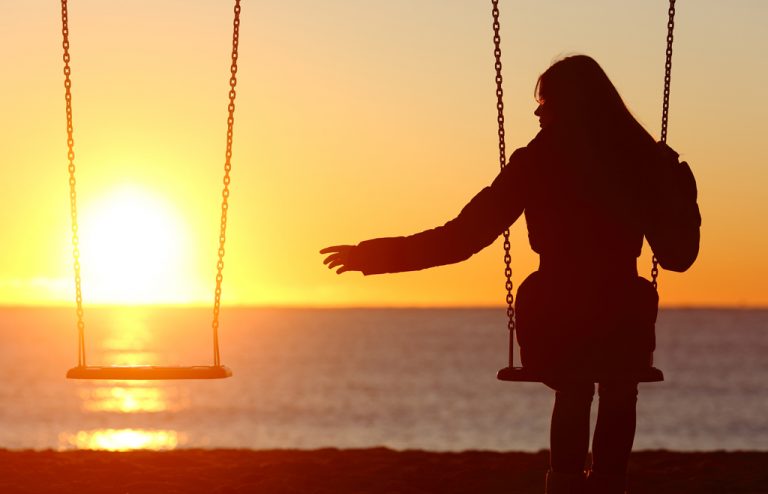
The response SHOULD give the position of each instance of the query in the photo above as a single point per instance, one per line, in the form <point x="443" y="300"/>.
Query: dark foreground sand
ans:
<point x="376" y="470"/>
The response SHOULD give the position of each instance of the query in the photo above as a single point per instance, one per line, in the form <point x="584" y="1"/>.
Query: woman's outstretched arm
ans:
<point x="483" y="219"/>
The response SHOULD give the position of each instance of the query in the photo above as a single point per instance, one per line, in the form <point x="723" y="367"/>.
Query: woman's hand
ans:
<point x="339" y="256"/>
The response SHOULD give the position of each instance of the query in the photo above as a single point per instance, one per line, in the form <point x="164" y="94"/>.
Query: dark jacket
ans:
<point x="585" y="205"/>
<point x="584" y="212"/>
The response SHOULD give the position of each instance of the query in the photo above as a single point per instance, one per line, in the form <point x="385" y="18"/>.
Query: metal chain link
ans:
<point x="502" y="163"/>
<point x="225" y="191"/>
<point x="72" y="182"/>
<point x="665" y="107"/>
<point x="668" y="71"/>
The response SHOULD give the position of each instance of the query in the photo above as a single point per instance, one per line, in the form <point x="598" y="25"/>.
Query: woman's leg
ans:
<point x="614" y="435"/>
<point x="615" y="428"/>
<point x="569" y="433"/>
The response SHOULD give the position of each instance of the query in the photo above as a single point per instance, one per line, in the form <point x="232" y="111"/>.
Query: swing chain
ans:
<point x="73" y="193"/>
<point x="502" y="163"/>
<point x="226" y="181"/>
<point x="72" y="182"/>
<point x="665" y="107"/>
<point x="668" y="71"/>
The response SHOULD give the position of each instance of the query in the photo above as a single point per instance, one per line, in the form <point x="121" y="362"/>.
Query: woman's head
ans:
<point x="575" y="91"/>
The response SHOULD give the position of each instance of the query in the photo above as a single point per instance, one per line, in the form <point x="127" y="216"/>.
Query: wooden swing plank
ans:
<point x="521" y="374"/>
<point x="149" y="372"/>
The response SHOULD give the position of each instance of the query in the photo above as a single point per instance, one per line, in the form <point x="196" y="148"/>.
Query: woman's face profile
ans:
<point x="544" y="112"/>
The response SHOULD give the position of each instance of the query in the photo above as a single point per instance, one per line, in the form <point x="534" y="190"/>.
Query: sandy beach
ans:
<point x="376" y="470"/>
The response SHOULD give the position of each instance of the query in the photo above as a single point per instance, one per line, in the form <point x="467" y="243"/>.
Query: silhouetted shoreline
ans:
<point x="370" y="471"/>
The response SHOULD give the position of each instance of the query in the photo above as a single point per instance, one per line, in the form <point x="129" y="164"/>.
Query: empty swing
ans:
<point x="523" y="374"/>
<point x="84" y="371"/>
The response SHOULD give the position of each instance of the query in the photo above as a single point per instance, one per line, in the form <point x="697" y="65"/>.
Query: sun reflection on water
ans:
<point x="129" y="415"/>
<point x="129" y="340"/>
<point x="135" y="398"/>
<point x="122" y="439"/>
<point x="126" y="339"/>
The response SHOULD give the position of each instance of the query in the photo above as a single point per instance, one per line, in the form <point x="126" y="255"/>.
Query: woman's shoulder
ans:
<point x="549" y="140"/>
<point x="543" y="139"/>
<point x="540" y="148"/>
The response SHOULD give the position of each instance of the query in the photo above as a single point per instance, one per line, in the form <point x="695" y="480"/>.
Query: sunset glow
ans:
<point x="134" y="248"/>
<point x="122" y="439"/>
<point x="343" y="132"/>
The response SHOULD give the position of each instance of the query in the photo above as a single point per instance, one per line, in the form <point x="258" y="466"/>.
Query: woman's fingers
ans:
<point x="338" y="257"/>
<point x="335" y="259"/>
<point x="334" y="262"/>
<point x="335" y="248"/>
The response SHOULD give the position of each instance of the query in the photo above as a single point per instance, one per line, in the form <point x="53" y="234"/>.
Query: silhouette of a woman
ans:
<point x="584" y="183"/>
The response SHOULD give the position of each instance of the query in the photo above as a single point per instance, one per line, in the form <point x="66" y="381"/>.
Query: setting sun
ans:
<point x="134" y="249"/>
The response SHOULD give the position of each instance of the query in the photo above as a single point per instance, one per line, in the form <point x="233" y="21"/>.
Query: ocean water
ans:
<point x="309" y="378"/>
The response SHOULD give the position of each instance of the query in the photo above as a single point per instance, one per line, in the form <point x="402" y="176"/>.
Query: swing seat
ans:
<point x="521" y="374"/>
<point x="149" y="372"/>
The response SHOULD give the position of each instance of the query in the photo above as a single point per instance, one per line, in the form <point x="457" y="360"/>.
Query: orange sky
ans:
<point x="348" y="115"/>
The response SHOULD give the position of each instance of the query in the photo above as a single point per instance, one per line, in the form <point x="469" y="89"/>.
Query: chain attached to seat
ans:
<point x="72" y="182"/>
<point x="226" y="180"/>
<point x="81" y="362"/>
<point x="502" y="163"/>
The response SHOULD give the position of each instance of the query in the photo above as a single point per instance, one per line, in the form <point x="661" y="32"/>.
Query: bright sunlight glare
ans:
<point x="121" y="439"/>
<point x="133" y="249"/>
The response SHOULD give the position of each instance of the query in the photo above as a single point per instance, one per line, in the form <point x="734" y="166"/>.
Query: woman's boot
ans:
<point x="565" y="483"/>
<point x="601" y="483"/>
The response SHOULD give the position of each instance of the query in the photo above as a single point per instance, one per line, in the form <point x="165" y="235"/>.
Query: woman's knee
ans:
<point x="618" y="393"/>
<point x="573" y="391"/>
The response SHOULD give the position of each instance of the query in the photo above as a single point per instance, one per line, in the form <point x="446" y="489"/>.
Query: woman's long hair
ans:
<point x="615" y="156"/>
<point x="582" y="98"/>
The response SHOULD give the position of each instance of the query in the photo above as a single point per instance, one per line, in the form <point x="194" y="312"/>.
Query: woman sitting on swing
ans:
<point x="585" y="184"/>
